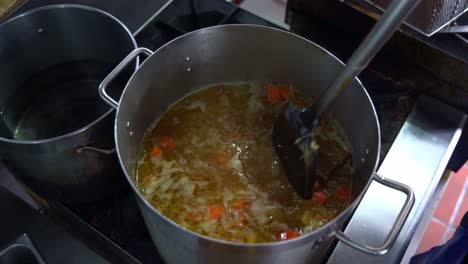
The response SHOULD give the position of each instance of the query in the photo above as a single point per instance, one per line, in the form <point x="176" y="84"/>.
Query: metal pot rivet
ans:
<point x="131" y="133"/>
<point x="127" y="124"/>
<point x="314" y="246"/>
<point x="189" y="69"/>
<point x="187" y="59"/>
<point x="367" y="151"/>
<point x="39" y="30"/>
<point x="363" y="160"/>
<point x="317" y="243"/>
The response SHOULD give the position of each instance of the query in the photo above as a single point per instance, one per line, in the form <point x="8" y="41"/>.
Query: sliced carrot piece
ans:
<point x="220" y="157"/>
<point x="319" y="198"/>
<point x="288" y="235"/>
<point x="166" y="142"/>
<point x="273" y="94"/>
<point x="277" y="94"/>
<point x="157" y="151"/>
<point x="240" y="204"/>
<point x="343" y="193"/>
<point x="216" y="211"/>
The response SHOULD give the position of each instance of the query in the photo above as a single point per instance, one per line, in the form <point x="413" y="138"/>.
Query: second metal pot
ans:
<point x="233" y="53"/>
<point x="55" y="132"/>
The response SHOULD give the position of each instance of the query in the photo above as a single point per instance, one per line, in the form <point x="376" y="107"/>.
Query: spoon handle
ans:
<point x="375" y="39"/>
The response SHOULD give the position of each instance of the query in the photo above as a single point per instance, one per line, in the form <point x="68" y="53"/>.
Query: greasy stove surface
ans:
<point x="119" y="219"/>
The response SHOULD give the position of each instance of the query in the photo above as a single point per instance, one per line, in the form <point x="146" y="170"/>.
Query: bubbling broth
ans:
<point x="210" y="166"/>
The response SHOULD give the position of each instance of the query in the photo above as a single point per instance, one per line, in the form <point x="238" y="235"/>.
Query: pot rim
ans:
<point x="97" y="120"/>
<point x="292" y="242"/>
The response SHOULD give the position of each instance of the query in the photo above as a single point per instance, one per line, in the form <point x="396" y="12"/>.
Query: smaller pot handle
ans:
<point x="102" y="87"/>
<point x="396" y="228"/>
<point x="98" y="150"/>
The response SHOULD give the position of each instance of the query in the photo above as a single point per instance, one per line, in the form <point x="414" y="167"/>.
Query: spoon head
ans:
<point x="296" y="149"/>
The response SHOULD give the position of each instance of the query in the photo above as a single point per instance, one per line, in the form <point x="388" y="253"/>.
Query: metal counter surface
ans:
<point x="417" y="158"/>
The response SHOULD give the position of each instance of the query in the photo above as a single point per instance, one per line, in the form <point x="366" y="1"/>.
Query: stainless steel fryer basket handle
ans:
<point x="94" y="149"/>
<point x="102" y="87"/>
<point x="397" y="225"/>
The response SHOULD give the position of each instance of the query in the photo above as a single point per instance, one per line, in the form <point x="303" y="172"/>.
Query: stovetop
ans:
<point x="119" y="219"/>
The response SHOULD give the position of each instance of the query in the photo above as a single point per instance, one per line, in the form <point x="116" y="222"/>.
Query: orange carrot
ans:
<point x="273" y="94"/>
<point x="157" y="151"/>
<point x="343" y="193"/>
<point x="220" y="157"/>
<point x="277" y="94"/>
<point x="240" y="204"/>
<point x="166" y="142"/>
<point x="288" y="235"/>
<point x="319" y="198"/>
<point x="215" y="211"/>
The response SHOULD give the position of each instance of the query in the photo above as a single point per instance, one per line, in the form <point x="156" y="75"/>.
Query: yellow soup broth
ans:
<point x="210" y="166"/>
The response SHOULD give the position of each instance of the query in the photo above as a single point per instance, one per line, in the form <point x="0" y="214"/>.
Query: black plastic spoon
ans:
<point x="294" y="129"/>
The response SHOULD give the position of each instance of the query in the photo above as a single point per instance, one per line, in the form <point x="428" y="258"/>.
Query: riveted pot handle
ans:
<point x="397" y="225"/>
<point x="102" y="87"/>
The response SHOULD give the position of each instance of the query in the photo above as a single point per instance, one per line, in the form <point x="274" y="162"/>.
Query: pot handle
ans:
<point x="396" y="228"/>
<point x="102" y="87"/>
